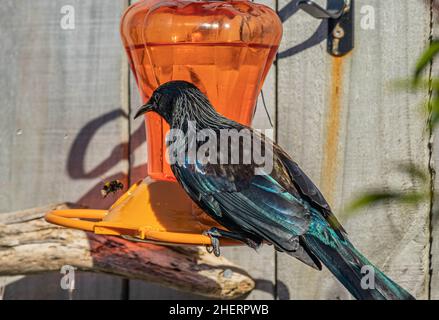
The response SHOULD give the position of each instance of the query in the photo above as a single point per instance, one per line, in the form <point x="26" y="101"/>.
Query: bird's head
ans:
<point x="165" y="98"/>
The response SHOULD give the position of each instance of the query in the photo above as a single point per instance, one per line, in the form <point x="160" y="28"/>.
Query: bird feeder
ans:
<point x="226" y="49"/>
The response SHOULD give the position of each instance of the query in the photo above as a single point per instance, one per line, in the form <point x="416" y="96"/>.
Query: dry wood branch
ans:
<point x="29" y="245"/>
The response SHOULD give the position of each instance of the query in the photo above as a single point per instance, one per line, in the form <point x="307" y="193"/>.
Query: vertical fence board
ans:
<point x="434" y="281"/>
<point x="260" y="264"/>
<point x="349" y="129"/>
<point x="62" y="129"/>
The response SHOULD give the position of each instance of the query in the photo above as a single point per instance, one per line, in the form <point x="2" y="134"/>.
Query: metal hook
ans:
<point x="340" y="16"/>
<point x="335" y="12"/>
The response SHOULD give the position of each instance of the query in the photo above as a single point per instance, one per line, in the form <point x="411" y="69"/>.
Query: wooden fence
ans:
<point x="66" y="97"/>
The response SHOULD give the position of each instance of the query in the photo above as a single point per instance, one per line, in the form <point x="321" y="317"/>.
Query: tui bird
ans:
<point x="280" y="206"/>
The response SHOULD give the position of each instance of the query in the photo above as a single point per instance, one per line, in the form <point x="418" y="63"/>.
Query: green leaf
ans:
<point x="426" y="58"/>
<point x="378" y="197"/>
<point x="410" y="85"/>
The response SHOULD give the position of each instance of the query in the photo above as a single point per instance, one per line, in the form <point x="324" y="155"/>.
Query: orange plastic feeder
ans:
<point x="226" y="49"/>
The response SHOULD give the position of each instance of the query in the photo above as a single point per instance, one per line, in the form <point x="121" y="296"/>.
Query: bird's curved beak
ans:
<point x="144" y="109"/>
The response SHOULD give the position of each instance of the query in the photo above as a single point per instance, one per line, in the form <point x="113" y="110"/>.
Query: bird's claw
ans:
<point x="209" y="249"/>
<point x="214" y="248"/>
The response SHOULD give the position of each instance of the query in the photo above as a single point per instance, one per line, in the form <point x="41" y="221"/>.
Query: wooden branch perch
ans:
<point x="29" y="245"/>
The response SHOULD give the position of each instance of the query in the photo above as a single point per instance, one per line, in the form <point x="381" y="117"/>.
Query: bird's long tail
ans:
<point x="363" y="280"/>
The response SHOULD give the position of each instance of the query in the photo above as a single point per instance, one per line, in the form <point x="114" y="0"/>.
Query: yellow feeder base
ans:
<point x="151" y="211"/>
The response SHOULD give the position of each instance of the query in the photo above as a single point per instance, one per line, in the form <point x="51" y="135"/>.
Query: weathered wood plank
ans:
<point x="260" y="265"/>
<point x="62" y="127"/>
<point x="434" y="281"/>
<point x="348" y="129"/>
<point x="89" y="286"/>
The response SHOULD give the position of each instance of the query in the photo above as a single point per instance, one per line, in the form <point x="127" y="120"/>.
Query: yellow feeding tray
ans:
<point x="152" y="211"/>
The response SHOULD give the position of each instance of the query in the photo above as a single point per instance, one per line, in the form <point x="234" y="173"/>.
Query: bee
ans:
<point x="111" y="187"/>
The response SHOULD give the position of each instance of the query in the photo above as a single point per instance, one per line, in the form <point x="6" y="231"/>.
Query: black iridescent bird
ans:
<point x="281" y="207"/>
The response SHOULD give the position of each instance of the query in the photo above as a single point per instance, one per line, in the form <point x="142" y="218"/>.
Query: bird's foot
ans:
<point x="214" y="235"/>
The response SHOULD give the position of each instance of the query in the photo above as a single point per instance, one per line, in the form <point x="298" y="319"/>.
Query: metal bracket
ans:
<point x="340" y="16"/>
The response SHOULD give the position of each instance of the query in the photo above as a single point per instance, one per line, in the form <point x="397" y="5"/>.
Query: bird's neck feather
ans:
<point x="195" y="107"/>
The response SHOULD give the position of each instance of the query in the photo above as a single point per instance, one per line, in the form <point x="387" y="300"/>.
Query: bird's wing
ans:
<point x="309" y="191"/>
<point x="264" y="208"/>
<point x="268" y="206"/>
<point x="286" y="174"/>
